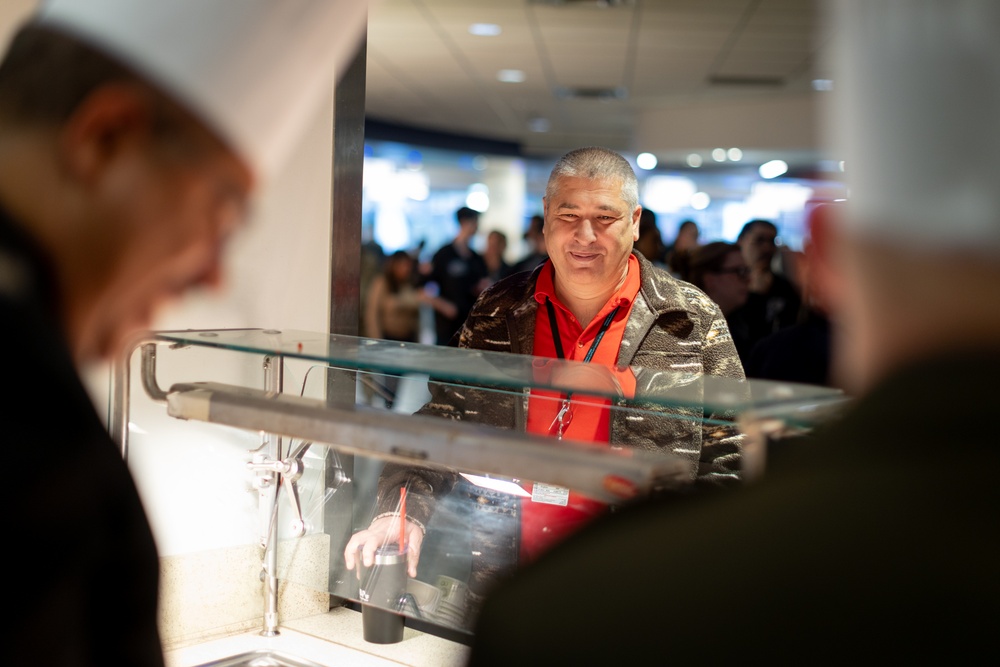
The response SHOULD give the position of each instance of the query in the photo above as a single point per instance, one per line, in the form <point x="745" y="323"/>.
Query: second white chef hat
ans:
<point x="916" y="114"/>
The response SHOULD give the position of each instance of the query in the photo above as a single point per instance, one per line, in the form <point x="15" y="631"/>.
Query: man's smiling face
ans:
<point x="589" y="232"/>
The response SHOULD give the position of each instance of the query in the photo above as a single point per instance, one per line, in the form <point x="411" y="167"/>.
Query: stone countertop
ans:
<point x="333" y="638"/>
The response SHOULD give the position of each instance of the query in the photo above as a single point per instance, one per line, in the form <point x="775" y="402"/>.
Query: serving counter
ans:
<point x="258" y="454"/>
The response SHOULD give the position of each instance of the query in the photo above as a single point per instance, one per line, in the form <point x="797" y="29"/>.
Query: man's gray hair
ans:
<point x="595" y="162"/>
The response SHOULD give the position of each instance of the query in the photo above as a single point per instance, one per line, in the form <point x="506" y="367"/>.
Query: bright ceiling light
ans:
<point x="773" y="169"/>
<point x="719" y="154"/>
<point x="694" y="160"/>
<point x="646" y="161"/>
<point x="485" y="29"/>
<point x="478" y="197"/>
<point x="700" y="201"/>
<point x="734" y="154"/>
<point x="510" y="76"/>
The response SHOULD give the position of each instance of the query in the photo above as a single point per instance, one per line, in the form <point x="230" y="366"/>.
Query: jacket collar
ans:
<point x="659" y="292"/>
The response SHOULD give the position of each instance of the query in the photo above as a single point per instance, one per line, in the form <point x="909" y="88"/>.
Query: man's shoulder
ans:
<point x="665" y="293"/>
<point x="505" y="294"/>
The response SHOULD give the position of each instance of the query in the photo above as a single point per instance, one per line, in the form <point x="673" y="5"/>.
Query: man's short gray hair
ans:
<point x="595" y="162"/>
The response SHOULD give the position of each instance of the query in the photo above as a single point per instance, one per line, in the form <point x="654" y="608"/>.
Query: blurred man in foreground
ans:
<point x="132" y="135"/>
<point x="877" y="537"/>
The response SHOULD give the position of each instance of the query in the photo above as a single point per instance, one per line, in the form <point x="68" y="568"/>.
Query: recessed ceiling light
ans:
<point x="485" y="29"/>
<point x="510" y="76"/>
<point x="734" y="154"/>
<point x="539" y="124"/>
<point x="773" y="169"/>
<point x="719" y="154"/>
<point x="694" y="160"/>
<point x="645" y="161"/>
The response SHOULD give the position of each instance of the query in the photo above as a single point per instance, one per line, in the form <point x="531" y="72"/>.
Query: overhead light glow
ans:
<point x="510" y="76"/>
<point x="539" y="124"/>
<point x="771" y="200"/>
<point x="694" y="160"/>
<point x="480" y="163"/>
<point x="478" y="197"/>
<point x="700" y="201"/>
<point x="734" y="154"/>
<point x="668" y="194"/>
<point x="485" y="29"/>
<point x="773" y="169"/>
<point x="646" y="161"/>
<point x="719" y="154"/>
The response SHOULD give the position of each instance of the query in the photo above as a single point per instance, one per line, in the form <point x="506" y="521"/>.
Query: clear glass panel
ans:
<point x="503" y="370"/>
<point x="242" y="472"/>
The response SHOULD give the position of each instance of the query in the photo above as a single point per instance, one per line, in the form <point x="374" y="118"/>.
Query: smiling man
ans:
<point x="594" y="300"/>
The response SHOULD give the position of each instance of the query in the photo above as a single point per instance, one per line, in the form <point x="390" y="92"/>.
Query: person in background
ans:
<point x="126" y="164"/>
<point x="593" y="299"/>
<point x="650" y="243"/>
<point x="496" y="266"/>
<point x="774" y="301"/>
<point x="392" y="311"/>
<point x="676" y="254"/>
<point x="535" y="236"/>
<point x="372" y="262"/>
<point x="718" y="269"/>
<point x="800" y="352"/>
<point x="877" y="535"/>
<point x="460" y="274"/>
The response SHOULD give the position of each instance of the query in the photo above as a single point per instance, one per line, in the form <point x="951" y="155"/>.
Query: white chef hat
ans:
<point x="254" y="71"/>
<point x="916" y="114"/>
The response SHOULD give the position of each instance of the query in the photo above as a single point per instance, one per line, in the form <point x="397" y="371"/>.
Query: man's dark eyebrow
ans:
<point x="600" y="207"/>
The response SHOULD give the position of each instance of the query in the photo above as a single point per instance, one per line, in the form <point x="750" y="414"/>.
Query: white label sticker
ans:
<point x="549" y="494"/>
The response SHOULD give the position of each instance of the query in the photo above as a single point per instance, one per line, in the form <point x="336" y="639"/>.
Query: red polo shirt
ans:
<point x="554" y="513"/>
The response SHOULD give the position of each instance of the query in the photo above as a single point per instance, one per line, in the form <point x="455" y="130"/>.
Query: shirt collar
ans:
<point x="545" y="286"/>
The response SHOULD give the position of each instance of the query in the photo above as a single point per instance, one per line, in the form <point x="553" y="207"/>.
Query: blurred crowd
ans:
<point x="778" y="320"/>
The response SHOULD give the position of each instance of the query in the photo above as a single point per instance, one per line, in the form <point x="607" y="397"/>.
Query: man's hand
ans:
<point x="384" y="530"/>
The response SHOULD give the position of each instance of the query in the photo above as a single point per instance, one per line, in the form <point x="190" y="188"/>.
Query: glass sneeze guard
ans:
<point x="309" y="422"/>
<point x="499" y="369"/>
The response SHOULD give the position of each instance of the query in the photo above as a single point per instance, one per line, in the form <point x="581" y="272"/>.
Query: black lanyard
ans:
<point x="565" y="414"/>
<point x="597" y="340"/>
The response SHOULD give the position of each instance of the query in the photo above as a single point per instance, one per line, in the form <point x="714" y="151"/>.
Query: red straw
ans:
<point x="402" y="519"/>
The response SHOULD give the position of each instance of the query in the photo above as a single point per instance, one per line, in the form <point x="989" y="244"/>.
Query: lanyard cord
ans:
<point x="565" y="414"/>
<point x="597" y="340"/>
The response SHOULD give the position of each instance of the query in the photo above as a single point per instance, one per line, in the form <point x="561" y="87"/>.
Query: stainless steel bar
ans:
<point x="121" y="381"/>
<point x="273" y="384"/>
<point x="606" y="474"/>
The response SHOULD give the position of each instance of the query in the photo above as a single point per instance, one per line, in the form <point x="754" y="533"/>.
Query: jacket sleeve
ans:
<point x="449" y="400"/>
<point x="721" y="442"/>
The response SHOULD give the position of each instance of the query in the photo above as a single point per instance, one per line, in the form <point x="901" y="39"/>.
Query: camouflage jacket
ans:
<point x="674" y="334"/>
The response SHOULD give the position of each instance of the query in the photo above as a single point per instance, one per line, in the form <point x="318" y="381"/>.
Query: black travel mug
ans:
<point x="382" y="588"/>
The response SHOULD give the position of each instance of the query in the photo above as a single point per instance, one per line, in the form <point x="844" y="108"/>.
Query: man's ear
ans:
<point x="110" y="119"/>
<point x="636" y="215"/>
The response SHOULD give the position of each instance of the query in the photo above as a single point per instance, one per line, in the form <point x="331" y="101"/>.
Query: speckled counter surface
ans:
<point x="333" y="638"/>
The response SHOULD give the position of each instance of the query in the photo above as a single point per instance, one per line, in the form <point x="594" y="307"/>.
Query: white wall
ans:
<point x="192" y="478"/>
